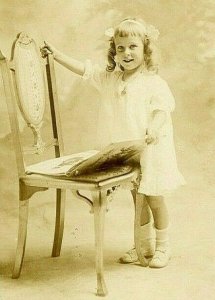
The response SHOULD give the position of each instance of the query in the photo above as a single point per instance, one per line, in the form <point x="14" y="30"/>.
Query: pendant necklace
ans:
<point x="123" y="88"/>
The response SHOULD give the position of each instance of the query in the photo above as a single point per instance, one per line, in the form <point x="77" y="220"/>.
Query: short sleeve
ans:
<point x="162" y="97"/>
<point x="94" y="74"/>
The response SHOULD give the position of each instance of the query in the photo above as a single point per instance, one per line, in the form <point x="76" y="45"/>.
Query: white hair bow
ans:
<point x="150" y="31"/>
<point x="109" y="32"/>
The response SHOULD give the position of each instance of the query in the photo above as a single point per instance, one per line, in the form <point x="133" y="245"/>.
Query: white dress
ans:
<point x="125" y="114"/>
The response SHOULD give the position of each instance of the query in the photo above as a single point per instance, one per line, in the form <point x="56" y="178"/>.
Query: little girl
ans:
<point x="137" y="103"/>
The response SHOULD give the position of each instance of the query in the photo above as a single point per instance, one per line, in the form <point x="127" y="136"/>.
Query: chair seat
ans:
<point x="56" y="170"/>
<point x="89" y="181"/>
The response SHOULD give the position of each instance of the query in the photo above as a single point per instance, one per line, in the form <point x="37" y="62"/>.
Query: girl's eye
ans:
<point x="133" y="47"/>
<point x="120" y="48"/>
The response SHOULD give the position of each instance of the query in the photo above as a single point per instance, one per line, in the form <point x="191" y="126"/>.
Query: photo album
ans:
<point x="113" y="156"/>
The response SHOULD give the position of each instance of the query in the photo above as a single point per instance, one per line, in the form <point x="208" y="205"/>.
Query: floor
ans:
<point x="189" y="275"/>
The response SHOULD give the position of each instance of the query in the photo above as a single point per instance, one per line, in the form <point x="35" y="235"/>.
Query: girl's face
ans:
<point x="130" y="52"/>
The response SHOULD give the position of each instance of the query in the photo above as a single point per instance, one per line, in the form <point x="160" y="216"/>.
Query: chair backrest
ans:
<point x="29" y="83"/>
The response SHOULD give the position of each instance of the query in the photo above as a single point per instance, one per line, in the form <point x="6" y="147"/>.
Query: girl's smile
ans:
<point x="130" y="52"/>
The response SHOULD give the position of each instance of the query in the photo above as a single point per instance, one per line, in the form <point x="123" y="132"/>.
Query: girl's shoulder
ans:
<point x="110" y="78"/>
<point x="153" y="78"/>
<point x="155" y="81"/>
<point x="160" y="92"/>
<point x="102" y="70"/>
<point x="97" y="73"/>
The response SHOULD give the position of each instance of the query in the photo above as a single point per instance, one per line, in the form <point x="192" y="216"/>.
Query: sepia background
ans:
<point x="187" y="61"/>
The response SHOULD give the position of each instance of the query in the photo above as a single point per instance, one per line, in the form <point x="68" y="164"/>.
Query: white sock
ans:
<point x="147" y="233"/>
<point x="162" y="239"/>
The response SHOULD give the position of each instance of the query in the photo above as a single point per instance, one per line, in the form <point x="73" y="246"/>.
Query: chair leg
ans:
<point x="137" y="227"/>
<point x="99" y="205"/>
<point x="22" y="234"/>
<point x="59" y="222"/>
<point x="25" y="193"/>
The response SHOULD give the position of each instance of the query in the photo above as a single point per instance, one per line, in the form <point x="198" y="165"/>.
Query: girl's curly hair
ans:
<point x="124" y="29"/>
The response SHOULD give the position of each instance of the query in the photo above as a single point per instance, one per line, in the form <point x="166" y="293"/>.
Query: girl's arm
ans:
<point x="159" y="117"/>
<point x="70" y="63"/>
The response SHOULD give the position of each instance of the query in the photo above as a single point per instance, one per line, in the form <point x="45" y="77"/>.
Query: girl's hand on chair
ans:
<point x="151" y="137"/>
<point x="47" y="49"/>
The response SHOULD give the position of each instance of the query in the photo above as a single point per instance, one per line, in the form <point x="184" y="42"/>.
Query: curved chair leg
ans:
<point x="134" y="194"/>
<point x="100" y="204"/>
<point x="137" y="229"/>
<point x="59" y="222"/>
<point x="25" y="193"/>
<point x="22" y="234"/>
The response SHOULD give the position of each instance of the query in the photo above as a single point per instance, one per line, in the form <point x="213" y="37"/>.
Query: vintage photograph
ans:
<point x="107" y="149"/>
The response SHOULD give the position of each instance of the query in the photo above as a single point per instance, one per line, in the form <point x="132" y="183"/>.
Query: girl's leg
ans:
<point x="146" y="215"/>
<point x="161" y="221"/>
<point x="147" y="234"/>
<point x="144" y="233"/>
<point x="159" y="211"/>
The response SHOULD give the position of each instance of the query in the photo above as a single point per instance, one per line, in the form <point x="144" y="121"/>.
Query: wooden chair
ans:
<point x="29" y="82"/>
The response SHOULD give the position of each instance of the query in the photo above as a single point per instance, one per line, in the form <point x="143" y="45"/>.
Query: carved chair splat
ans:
<point x="28" y="83"/>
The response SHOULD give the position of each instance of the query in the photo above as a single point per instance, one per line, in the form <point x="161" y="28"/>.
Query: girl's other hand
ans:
<point x="151" y="137"/>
